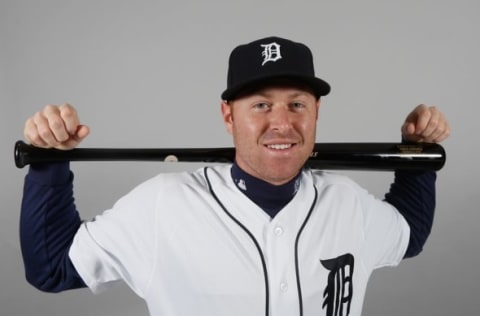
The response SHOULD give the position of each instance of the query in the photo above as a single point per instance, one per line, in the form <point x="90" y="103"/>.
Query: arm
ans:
<point x="48" y="223"/>
<point x="413" y="193"/>
<point x="49" y="219"/>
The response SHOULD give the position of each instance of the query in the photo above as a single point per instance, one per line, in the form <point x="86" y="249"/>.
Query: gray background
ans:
<point x="150" y="74"/>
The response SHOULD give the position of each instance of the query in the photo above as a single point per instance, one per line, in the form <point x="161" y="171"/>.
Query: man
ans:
<point x="263" y="236"/>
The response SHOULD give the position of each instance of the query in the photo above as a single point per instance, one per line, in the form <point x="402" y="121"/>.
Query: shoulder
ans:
<point x="323" y="179"/>
<point x="188" y="180"/>
<point x="338" y="187"/>
<point x="162" y="191"/>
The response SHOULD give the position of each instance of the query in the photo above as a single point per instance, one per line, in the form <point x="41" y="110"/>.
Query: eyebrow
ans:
<point x="291" y="95"/>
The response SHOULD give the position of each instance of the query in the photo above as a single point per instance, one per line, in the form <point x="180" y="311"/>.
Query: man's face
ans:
<point x="273" y="131"/>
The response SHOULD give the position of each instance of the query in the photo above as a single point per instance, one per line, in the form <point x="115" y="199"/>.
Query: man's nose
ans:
<point x="281" y="118"/>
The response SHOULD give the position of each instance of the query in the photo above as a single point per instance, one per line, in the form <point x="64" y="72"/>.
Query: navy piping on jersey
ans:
<point x="262" y="257"/>
<point x="297" y="269"/>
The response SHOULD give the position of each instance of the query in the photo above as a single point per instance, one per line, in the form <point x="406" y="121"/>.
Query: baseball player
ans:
<point x="263" y="236"/>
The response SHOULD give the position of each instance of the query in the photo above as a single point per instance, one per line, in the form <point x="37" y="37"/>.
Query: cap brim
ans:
<point x="318" y="86"/>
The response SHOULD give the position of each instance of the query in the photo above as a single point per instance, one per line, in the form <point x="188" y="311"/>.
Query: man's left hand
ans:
<point x="425" y="124"/>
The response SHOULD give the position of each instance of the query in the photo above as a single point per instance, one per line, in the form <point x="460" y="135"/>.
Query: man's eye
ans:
<point x="261" y="106"/>
<point x="297" y="105"/>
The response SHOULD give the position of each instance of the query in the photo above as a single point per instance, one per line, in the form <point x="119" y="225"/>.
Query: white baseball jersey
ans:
<point x="193" y="244"/>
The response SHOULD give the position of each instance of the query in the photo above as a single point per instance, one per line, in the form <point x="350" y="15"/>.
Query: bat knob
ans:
<point x="20" y="152"/>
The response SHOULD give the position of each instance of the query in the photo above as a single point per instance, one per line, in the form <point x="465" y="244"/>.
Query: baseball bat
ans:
<point x="325" y="156"/>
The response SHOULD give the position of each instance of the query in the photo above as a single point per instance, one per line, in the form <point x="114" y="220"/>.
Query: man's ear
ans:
<point x="318" y="108"/>
<point x="227" y="114"/>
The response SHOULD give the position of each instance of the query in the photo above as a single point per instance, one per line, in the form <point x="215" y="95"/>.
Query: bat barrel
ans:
<point x="378" y="156"/>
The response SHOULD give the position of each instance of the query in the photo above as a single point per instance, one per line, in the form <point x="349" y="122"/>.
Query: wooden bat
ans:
<point x="326" y="156"/>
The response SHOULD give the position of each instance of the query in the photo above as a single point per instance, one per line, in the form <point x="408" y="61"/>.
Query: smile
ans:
<point x="280" y="146"/>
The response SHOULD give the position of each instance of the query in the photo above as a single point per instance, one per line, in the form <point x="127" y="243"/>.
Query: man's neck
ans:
<point x="271" y="198"/>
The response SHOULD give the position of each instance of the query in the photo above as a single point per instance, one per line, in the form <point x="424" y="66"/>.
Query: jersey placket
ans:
<point x="279" y="256"/>
<point x="282" y="237"/>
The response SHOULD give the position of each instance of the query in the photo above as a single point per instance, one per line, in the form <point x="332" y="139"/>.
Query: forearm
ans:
<point x="413" y="194"/>
<point x="48" y="223"/>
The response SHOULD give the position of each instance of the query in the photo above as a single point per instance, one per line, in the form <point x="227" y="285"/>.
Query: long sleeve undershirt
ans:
<point x="49" y="219"/>
<point x="48" y="223"/>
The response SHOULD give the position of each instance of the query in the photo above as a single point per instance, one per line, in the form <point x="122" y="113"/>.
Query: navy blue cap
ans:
<point x="271" y="58"/>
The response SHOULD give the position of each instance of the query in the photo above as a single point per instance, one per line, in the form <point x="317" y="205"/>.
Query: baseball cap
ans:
<point x="271" y="58"/>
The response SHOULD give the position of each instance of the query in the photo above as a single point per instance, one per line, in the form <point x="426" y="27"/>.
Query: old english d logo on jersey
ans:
<point x="271" y="52"/>
<point x="339" y="291"/>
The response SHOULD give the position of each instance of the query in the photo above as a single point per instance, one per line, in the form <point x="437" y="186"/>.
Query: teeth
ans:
<point x="279" y="146"/>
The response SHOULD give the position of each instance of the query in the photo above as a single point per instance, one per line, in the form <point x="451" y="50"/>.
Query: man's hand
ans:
<point x="425" y="124"/>
<point x="55" y="127"/>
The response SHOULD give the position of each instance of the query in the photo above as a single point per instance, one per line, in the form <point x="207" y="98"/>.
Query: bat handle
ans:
<point x="25" y="154"/>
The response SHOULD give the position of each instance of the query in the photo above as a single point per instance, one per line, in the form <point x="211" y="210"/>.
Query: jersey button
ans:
<point x="283" y="287"/>
<point x="278" y="230"/>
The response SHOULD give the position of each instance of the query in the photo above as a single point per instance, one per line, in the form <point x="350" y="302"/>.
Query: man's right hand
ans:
<point x="55" y="127"/>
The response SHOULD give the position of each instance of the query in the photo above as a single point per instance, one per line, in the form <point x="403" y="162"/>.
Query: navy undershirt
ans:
<point x="48" y="223"/>
<point x="271" y="198"/>
<point x="49" y="218"/>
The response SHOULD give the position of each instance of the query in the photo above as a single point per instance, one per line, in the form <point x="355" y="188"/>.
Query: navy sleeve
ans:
<point x="413" y="194"/>
<point x="48" y="223"/>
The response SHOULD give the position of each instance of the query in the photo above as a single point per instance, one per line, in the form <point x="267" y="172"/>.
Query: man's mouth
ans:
<point x="279" y="146"/>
